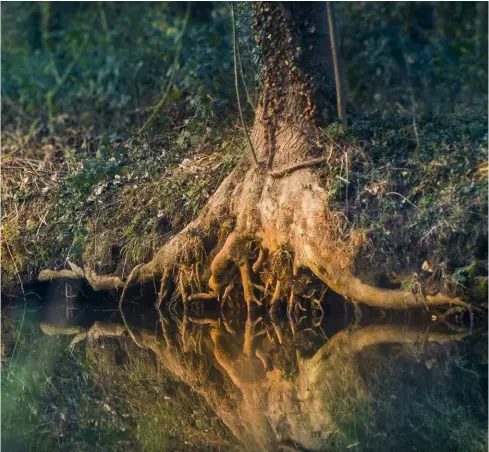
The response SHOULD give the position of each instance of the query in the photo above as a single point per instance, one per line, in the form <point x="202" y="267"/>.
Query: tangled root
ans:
<point x="286" y="213"/>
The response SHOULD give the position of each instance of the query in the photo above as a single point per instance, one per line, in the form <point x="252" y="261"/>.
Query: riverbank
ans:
<point x="414" y="194"/>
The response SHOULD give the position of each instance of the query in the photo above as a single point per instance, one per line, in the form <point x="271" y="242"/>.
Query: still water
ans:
<point x="81" y="376"/>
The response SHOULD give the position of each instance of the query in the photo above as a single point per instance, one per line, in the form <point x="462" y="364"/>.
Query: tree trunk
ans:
<point x="271" y="225"/>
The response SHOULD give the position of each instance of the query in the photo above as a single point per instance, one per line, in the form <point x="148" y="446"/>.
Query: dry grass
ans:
<point x="113" y="210"/>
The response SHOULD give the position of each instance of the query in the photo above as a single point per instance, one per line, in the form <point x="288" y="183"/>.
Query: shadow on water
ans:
<point x="211" y="378"/>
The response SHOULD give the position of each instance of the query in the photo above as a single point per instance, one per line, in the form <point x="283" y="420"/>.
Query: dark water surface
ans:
<point x="83" y="377"/>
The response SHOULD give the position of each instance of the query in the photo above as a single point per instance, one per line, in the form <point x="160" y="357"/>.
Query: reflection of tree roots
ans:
<point x="259" y="358"/>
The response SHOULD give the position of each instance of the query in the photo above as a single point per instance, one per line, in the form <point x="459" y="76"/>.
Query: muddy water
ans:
<point x="212" y="378"/>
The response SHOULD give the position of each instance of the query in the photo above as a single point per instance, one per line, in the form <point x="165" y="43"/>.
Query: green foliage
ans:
<point x="427" y="57"/>
<point x="117" y="80"/>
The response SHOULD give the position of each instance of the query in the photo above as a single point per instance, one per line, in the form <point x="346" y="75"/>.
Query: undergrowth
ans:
<point x="417" y="193"/>
<point x="107" y="201"/>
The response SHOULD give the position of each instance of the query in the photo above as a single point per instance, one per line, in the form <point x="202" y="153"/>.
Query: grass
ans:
<point x="111" y="203"/>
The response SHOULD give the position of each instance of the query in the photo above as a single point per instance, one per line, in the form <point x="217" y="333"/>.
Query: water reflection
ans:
<point x="322" y="381"/>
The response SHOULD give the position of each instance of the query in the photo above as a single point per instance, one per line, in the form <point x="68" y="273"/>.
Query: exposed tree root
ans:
<point x="163" y="293"/>
<point x="203" y="296"/>
<point x="261" y="257"/>
<point x="96" y="282"/>
<point x="297" y="166"/>
<point x="284" y="211"/>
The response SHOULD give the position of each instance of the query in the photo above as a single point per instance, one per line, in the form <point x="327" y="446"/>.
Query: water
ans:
<point x="208" y="378"/>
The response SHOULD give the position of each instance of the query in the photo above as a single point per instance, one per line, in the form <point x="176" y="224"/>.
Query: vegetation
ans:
<point x="123" y="157"/>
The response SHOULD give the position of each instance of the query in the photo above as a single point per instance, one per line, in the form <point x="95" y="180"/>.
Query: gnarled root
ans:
<point x="286" y="207"/>
<point x="97" y="282"/>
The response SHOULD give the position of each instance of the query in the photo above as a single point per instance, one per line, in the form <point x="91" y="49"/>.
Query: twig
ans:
<point x="248" y="97"/>
<point x="338" y="72"/>
<point x="236" y="83"/>
<point x="291" y="168"/>
<point x="403" y="197"/>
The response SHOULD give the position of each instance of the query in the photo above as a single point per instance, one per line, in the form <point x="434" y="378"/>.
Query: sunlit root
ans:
<point x="248" y="288"/>
<point x="49" y="275"/>
<point x="275" y="298"/>
<point x="133" y="276"/>
<point x="359" y="292"/>
<point x="227" y="291"/>
<point x="54" y="330"/>
<point x="203" y="296"/>
<point x="96" y="282"/>
<point x="163" y="293"/>
<point x="290" y="304"/>
<point x="222" y="268"/>
<point x="258" y="263"/>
